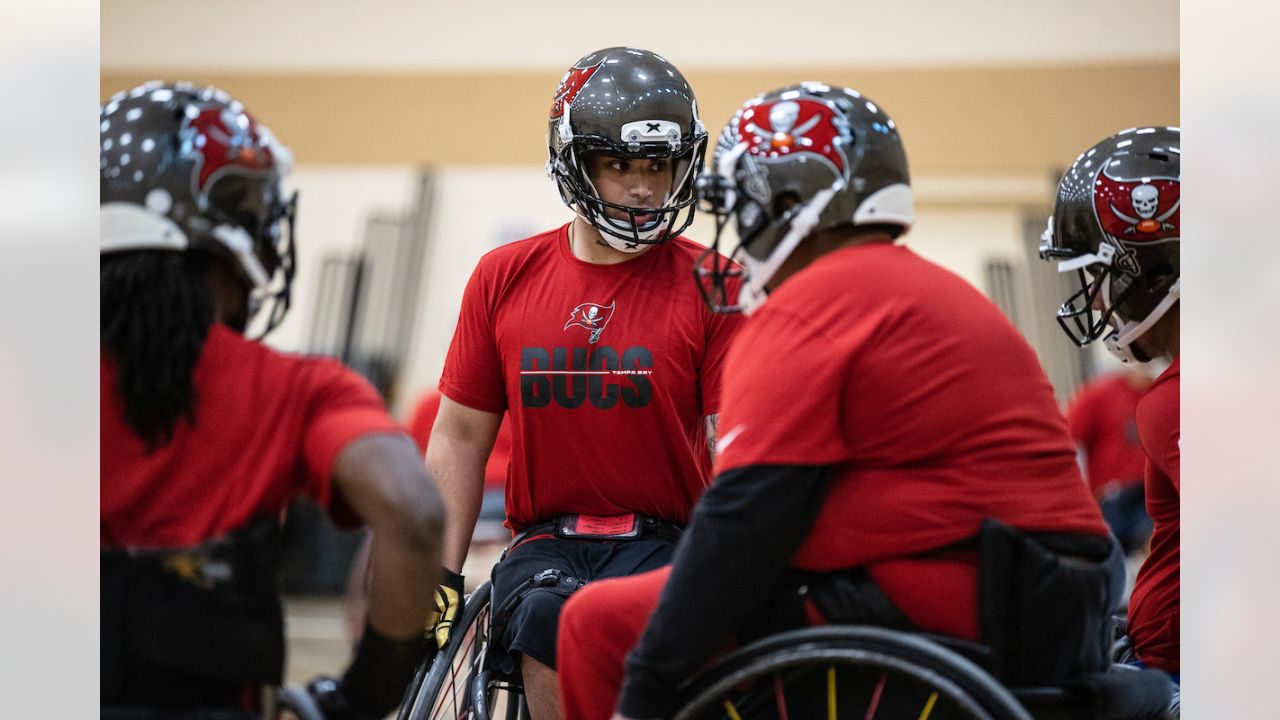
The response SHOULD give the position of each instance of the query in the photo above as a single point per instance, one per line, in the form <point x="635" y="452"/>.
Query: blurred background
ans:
<point x="418" y="131"/>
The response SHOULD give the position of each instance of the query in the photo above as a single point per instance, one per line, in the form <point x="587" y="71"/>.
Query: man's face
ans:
<point x="631" y="182"/>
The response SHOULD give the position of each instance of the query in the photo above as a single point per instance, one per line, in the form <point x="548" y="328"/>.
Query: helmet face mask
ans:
<point x="186" y="169"/>
<point x="634" y="105"/>
<point x="1116" y="225"/>
<point x="792" y="162"/>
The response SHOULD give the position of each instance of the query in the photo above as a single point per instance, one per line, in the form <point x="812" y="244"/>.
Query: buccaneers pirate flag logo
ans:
<point x="1140" y="210"/>
<point x="777" y="129"/>
<point x="570" y="85"/>
<point x="591" y="316"/>
<point x="224" y="140"/>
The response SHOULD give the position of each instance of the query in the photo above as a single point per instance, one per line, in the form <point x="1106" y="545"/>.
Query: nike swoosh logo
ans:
<point x="723" y="443"/>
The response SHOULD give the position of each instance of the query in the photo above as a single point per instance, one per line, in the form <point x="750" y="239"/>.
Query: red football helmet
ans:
<point x="1117" y="225"/>
<point x="185" y="168"/>
<point x="790" y="162"/>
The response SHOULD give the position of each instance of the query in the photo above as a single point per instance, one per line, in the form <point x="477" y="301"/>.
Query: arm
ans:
<point x="382" y="478"/>
<point x="738" y="544"/>
<point x="460" y="444"/>
<point x="712" y="423"/>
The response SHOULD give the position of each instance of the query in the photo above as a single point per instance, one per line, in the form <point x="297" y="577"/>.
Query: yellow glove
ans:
<point x="448" y="605"/>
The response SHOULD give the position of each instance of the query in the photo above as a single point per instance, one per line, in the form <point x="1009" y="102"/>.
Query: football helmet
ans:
<point x="187" y="169"/>
<point x="634" y="104"/>
<point x="1116" y="225"/>
<point x="792" y="161"/>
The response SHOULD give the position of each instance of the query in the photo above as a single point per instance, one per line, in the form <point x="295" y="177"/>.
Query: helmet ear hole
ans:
<point x="1158" y="275"/>
<point x="785" y="202"/>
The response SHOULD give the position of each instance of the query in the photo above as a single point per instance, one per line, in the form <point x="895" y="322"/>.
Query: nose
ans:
<point x="640" y="187"/>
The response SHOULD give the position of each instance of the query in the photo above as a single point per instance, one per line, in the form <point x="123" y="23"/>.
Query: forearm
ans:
<point x="458" y="465"/>
<point x="403" y="577"/>
<point x="739" y="543"/>
<point x="383" y="479"/>
<point x="712" y="423"/>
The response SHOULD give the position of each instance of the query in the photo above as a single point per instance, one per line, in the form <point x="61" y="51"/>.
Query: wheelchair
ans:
<point x="458" y="682"/>
<point x="820" y="672"/>
<point x="852" y="671"/>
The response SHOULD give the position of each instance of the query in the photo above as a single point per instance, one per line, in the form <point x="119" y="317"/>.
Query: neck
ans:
<point x="230" y="296"/>
<point x="586" y="244"/>
<point x="1166" y="333"/>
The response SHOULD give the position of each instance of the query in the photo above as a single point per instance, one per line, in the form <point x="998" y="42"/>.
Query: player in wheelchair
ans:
<point x="898" y="526"/>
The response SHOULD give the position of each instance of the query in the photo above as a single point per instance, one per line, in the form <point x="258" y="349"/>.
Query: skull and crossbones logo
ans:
<point x="1145" y="199"/>
<point x="785" y="133"/>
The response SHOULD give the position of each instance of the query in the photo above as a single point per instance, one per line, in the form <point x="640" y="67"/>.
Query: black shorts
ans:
<point x="531" y="627"/>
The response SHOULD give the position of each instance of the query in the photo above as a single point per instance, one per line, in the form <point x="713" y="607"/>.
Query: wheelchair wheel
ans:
<point x="442" y="682"/>
<point x="455" y="684"/>
<point x="849" y="671"/>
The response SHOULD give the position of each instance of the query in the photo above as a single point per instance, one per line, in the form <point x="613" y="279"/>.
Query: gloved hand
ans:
<point x="448" y="606"/>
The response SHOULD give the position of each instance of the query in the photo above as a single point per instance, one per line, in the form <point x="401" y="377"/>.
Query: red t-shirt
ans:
<point x="423" y="419"/>
<point x="1103" y="419"/>
<point x="268" y="426"/>
<point x="606" y="372"/>
<point x="1154" y="614"/>
<point x="932" y="405"/>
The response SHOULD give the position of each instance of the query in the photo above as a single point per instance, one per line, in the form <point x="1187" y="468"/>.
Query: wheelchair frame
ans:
<point x="456" y="679"/>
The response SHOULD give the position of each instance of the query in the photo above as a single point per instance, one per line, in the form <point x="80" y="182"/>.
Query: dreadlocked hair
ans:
<point x="156" y="313"/>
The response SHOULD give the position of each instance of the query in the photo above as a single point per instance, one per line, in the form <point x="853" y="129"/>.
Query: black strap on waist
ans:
<point x="193" y="622"/>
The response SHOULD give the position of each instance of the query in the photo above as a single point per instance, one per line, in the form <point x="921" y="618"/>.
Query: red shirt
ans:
<point x="1154" y="615"/>
<point x="268" y="426"/>
<point x="1103" y="419"/>
<point x="932" y="405"/>
<point x="423" y="419"/>
<point x="606" y="372"/>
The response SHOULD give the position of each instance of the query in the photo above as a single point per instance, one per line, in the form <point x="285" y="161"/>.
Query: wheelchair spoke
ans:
<point x="733" y="711"/>
<point x="780" y="696"/>
<point x="831" y="692"/>
<point x="928" y="706"/>
<point x="875" y="696"/>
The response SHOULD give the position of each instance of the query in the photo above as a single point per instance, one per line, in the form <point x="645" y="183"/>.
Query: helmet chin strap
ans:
<point x="1120" y="342"/>
<point x="758" y="273"/>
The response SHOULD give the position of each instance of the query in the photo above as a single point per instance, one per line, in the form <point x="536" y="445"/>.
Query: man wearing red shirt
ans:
<point x="206" y="436"/>
<point x="1117" y="225"/>
<point x="592" y="340"/>
<point x="880" y="415"/>
<point x="1103" y="420"/>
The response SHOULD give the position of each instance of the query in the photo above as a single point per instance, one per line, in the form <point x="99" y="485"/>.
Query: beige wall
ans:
<point x="962" y="121"/>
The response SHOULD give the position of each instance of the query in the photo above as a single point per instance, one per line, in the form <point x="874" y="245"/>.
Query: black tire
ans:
<point x="884" y="674"/>
<point x="442" y="689"/>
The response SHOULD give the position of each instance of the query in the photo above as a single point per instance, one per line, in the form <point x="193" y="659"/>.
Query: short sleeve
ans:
<point x="1080" y="417"/>
<point x="472" y="372"/>
<point x="721" y="331"/>
<point x="1159" y="424"/>
<point x="783" y="403"/>
<point x="341" y="408"/>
